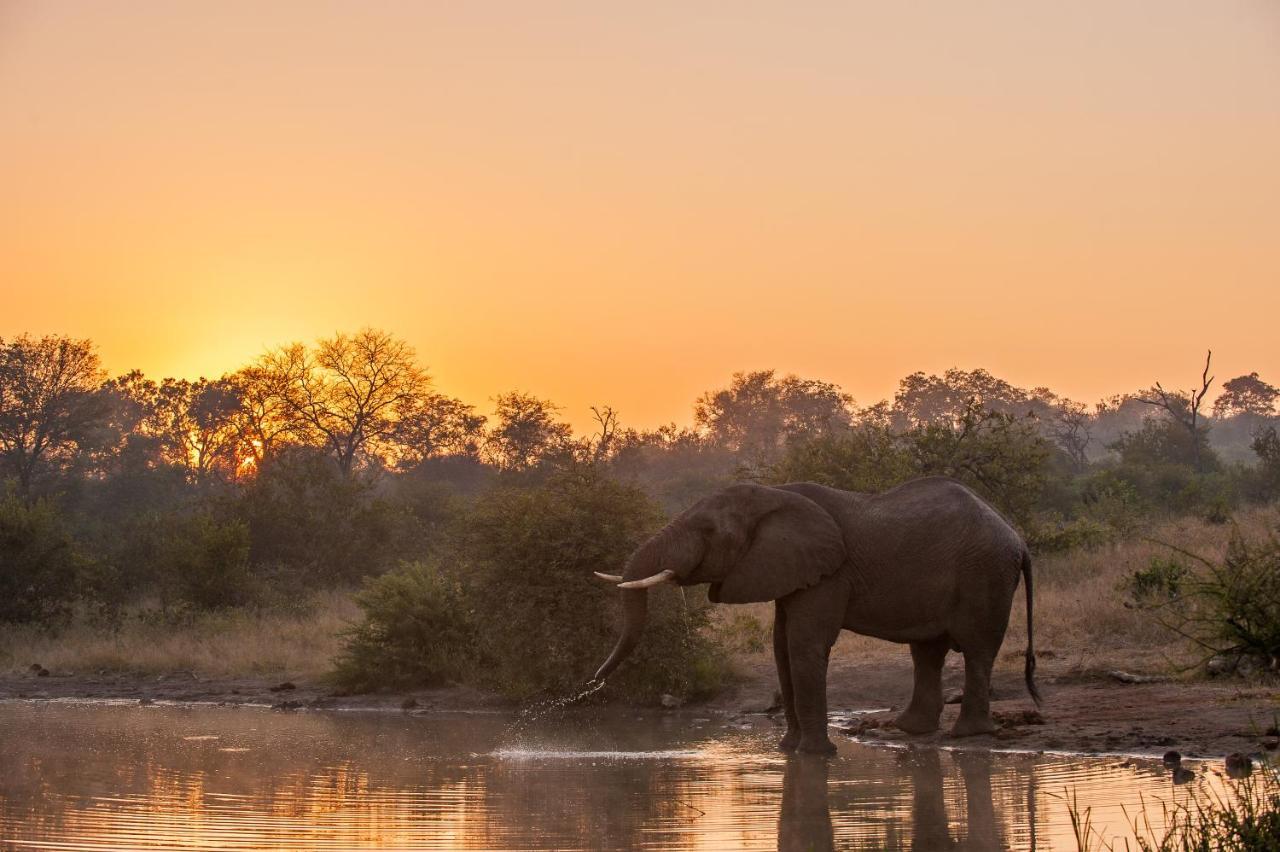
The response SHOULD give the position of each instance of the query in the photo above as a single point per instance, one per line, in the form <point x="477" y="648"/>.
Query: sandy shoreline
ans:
<point x="1083" y="712"/>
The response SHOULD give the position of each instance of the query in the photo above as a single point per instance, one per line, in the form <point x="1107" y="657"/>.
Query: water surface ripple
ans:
<point x="110" y="777"/>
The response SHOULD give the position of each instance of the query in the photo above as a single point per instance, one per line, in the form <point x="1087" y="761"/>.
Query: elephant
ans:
<point x="928" y="563"/>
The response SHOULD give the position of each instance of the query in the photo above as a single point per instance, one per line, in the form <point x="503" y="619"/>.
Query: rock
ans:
<point x="1015" y="718"/>
<point x="1172" y="759"/>
<point x="861" y="726"/>
<point x="146" y="702"/>
<point x="282" y="687"/>
<point x="670" y="701"/>
<point x="953" y="696"/>
<point x="35" y="667"/>
<point x="1238" y="765"/>
<point x="1221" y="664"/>
<point x="409" y="704"/>
<point x="286" y="705"/>
<point x="42" y="673"/>
<point x="1129" y="677"/>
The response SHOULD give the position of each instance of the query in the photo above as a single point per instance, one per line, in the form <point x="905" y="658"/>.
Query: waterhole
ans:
<point x="99" y="777"/>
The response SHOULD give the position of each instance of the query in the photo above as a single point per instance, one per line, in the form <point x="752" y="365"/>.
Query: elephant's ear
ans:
<point x="793" y="544"/>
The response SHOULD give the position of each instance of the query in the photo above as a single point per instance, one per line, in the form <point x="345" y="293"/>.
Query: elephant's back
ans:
<point x="936" y="515"/>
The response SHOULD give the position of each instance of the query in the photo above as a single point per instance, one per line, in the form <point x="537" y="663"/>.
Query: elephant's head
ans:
<point x="750" y="542"/>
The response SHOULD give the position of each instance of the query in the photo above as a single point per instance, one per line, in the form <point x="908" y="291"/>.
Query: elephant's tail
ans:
<point x="1029" y="672"/>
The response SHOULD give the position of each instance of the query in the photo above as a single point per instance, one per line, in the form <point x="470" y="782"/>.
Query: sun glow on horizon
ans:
<point x="618" y="206"/>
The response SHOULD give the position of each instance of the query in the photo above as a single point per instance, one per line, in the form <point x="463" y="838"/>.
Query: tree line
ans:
<point x="332" y="462"/>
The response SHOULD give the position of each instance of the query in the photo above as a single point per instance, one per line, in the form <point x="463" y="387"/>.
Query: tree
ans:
<point x="1184" y="408"/>
<point x="263" y="419"/>
<point x="526" y="433"/>
<point x="1070" y="426"/>
<point x="49" y="404"/>
<point x="1246" y="395"/>
<point x="198" y="428"/>
<point x="759" y="413"/>
<point x="948" y="398"/>
<point x="436" y="425"/>
<point x="351" y="393"/>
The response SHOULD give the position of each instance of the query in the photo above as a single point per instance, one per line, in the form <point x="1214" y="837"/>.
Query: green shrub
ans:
<point x="1227" y="606"/>
<point x="39" y="562"/>
<point x="187" y="561"/>
<point x="416" y="631"/>
<point x="545" y="623"/>
<point x="1056" y="535"/>
<point x="1161" y="579"/>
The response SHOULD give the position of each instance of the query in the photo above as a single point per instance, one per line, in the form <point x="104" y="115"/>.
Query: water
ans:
<point x="99" y="777"/>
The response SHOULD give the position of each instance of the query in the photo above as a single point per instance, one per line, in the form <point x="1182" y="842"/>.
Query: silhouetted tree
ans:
<point x="1184" y="408"/>
<point x="1246" y="395"/>
<point x="436" y="425"/>
<point x="351" y="392"/>
<point x="526" y="432"/>
<point x="950" y="397"/>
<point x="758" y="413"/>
<point x="49" y="404"/>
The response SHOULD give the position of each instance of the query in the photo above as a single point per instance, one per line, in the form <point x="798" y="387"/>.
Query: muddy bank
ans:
<point x="1083" y="711"/>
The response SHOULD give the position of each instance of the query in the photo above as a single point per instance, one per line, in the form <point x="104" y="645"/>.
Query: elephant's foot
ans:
<point x="916" y="722"/>
<point x="970" y="726"/>
<point x="790" y="740"/>
<point x="816" y="745"/>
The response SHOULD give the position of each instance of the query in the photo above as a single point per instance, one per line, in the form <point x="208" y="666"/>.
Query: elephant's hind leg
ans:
<point x="925" y="709"/>
<point x="781" y="658"/>
<point x="975" y="708"/>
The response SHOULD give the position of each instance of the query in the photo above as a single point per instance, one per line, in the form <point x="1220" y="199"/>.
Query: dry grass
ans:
<point x="1080" y="615"/>
<point x="1081" y="623"/>
<point x="234" y="644"/>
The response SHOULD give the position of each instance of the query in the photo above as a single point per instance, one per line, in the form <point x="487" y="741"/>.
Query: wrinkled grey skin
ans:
<point x="928" y="564"/>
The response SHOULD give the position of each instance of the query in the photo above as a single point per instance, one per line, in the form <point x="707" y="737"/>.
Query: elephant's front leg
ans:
<point x="781" y="658"/>
<point x="812" y="622"/>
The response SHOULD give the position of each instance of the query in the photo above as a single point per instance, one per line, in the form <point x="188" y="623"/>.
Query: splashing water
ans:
<point x="534" y="712"/>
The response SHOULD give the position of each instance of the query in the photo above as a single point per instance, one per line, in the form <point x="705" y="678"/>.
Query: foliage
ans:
<point x="1266" y="443"/>
<point x="39" y="562"/>
<point x="758" y="413"/>
<point x="1161" y="579"/>
<point x="417" y="630"/>
<point x="49" y="405"/>
<point x="1247" y="819"/>
<point x="1226" y="606"/>
<point x="545" y="622"/>
<point x="303" y="513"/>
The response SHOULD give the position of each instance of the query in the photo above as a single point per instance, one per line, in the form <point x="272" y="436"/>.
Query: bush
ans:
<point x="39" y="562"/>
<point x="545" y="623"/>
<point x="191" y="561"/>
<point x="417" y="631"/>
<point x="1230" y="606"/>
<point x="304" y="516"/>
<point x="1161" y="579"/>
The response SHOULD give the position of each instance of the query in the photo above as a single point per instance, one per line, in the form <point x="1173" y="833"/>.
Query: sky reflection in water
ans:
<point x="109" y="777"/>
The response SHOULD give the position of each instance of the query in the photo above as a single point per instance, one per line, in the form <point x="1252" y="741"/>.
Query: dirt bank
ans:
<point x="1083" y="711"/>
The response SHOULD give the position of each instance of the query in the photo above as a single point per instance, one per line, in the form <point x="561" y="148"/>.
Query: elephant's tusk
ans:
<point x="656" y="579"/>
<point x="612" y="578"/>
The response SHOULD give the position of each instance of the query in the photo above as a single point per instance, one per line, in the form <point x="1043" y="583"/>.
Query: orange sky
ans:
<point x="624" y="203"/>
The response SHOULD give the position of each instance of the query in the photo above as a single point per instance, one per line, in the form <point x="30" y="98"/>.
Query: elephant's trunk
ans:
<point x="664" y="551"/>
<point x="635" y="608"/>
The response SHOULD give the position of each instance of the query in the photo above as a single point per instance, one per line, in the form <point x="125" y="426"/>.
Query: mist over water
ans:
<point x="81" y="777"/>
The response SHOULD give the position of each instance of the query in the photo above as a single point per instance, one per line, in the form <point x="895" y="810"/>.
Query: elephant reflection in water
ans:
<point x="805" y="820"/>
